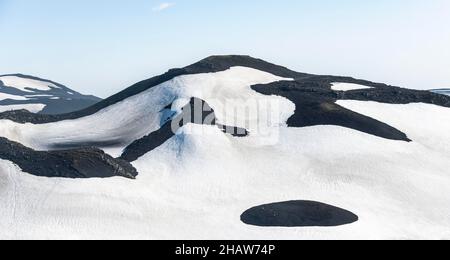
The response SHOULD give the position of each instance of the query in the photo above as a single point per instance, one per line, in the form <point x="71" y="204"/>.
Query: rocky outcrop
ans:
<point x="298" y="214"/>
<point x="315" y="105"/>
<point x="78" y="163"/>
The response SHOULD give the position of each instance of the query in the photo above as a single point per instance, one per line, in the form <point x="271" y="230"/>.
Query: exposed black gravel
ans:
<point x="316" y="106"/>
<point x="78" y="163"/>
<point x="298" y="214"/>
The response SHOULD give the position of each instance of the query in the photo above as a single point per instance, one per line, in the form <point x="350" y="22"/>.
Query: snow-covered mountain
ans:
<point x="232" y="147"/>
<point x="444" y="91"/>
<point x="40" y="96"/>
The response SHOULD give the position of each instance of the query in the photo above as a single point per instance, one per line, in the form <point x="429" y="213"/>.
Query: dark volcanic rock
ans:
<point x="394" y="95"/>
<point x="315" y="105"/>
<point x="315" y="102"/>
<point x="196" y="112"/>
<point x="79" y="163"/>
<point x="24" y="116"/>
<point x="298" y="214"/>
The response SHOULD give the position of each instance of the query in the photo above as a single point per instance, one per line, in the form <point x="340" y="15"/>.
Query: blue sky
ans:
<point x="103" y="46"/>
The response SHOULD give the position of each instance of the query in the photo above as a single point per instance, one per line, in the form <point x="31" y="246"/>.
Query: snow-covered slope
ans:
<point x="27" y="84"/>
<point x="306" y="142"/>
<point x="40" y="96"/>
<point x="116" y="126"/>
<point x="33" y="108"/>
<point x="196" y="186"/>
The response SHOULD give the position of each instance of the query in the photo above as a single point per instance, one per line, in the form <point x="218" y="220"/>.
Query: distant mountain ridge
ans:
<point x="218" y="63"/>
<point x="443" y="91"/>
<point x="37" y="95"/>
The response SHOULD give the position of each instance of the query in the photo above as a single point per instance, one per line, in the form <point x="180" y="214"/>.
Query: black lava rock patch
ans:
<point x="315" y="105"/>
<point x="298" y="214"/>
<point x="77" y="163"/>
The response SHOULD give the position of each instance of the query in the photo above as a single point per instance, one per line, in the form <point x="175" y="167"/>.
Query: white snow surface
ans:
<point x="39" y="96"/>
<point x="347" y="86"/>
<point x="34" y="108"/>
<point x="26" y="84"/>
<point x="196" y="185"/>
<point x="119" y="125"/>
<point x="4" y="96"/>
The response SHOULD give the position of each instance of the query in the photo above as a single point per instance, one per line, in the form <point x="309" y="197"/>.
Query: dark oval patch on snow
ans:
<point x="298" y="214"/>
